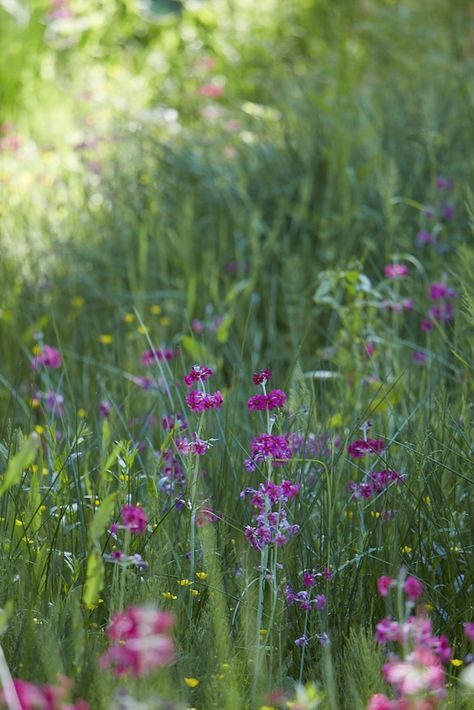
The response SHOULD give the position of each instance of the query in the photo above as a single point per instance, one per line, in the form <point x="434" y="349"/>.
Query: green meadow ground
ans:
<point x="243" y="231"/>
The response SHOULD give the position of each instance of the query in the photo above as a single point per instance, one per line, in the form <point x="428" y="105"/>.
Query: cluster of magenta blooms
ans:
<point x="415" y="656"/>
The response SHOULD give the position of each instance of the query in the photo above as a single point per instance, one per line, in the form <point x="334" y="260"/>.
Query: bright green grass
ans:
<point x="346" y="116"/>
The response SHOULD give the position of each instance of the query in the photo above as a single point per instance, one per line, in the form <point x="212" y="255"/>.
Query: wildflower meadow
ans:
<point x="236" y="373"/>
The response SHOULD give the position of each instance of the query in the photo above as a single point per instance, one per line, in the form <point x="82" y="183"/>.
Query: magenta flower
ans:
<point x="380" y="702"/>
<point x="43" y="697"/>
<point x="271" y="446"/>
<point x="196" y="446"/>
<point x="104" y="408"/>
<point x="448" y="211"/>
<point x="49" y="357"/>
<point x="384" y="584"/>
<point x="200" y="401"/>
<point x="274" y="400"/>
<point x="198" y="373"/>
<point x="151" y="356"/>
<point x="301" y="641"/>
<point x="469" y="630"/>
<point x="440" y="291"/>
<point x="442" y="313"/>
<point x="309" y="579"/>
<point x="259" y="378"/>
<point x="420" y="672"/>
<point x="419" y="356"/>
<point x="172" y="421"/>
<point x="140" y="641"/>
<point x="134" y="519"/>
<point x="358" y="449"/>
<point x="426" y="325"/>
<point x="396" y="271"/>
<point x="413" y="588"/>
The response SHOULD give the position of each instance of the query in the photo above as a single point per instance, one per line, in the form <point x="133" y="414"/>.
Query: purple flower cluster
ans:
<point x="273" y="400"/>
<point x="174" y="421"/>
<point x="48" y="357"/>
<point x="197" y="446"/>
<point x="201" y="401"/>
<point x="379" y="481"/>
<point x="361" y="447"/>
<point x="272" y="526"/>
<point x="259" y="378"/>
<point x="416" y="630"/>
<point x="269" y="446"/>
<point x="303" y="598"/>
<point x="443" y="310"/>
<point x="198" y="373"/>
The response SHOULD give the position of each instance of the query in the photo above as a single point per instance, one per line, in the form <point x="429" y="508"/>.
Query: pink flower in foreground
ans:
<point x="420" y="672"/>
<point x="49" y="357"/>
<point x="134" y="519"/>
<point x="469" y="630"/>
<point x="271" y="446"/>
<point x="413" y="588"/>
<point x="384" y="584"/>
<point x="211" y="91"/>
<point x="379" y="702"/>
<point x="140" y="641"/>
<point x="396" y="271"/>
<point x="43" y="697"/>
<point x="200" y="401"/>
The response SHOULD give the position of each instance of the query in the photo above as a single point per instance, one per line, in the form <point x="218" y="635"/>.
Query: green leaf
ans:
<point x="94" y="580"/>
<point x="19" y="462"/>
<point x="101" y="518"/>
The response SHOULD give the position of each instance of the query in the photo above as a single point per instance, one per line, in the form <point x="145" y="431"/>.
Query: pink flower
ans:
<point x="197" y="326"/>
<point x="44" y="697"/>
<point x="274" y="400"/>
<point x="198" y="373"/>
<point x="426" y="325"/>
<point x="259" y="378"/>
<point x="387" y="630"/>
<point x="211" y="91"/>
<point x="104" y="408"/>
<point x="200" y="401"/>
<point x="309" y="579"/>
<point x="134" y="519"/>
<point x="151" y="356"/>
<point x="379" y="702"/>
<point x="384" y="585"/>
<point x="413" y="588"/>
<point x="420" y="672"/>
<point x="469" y="630"/>
<point x="271" y="446"/>
<point x="49" y="357"/>
<point x="358" y="449"/>
<point x="396" y="271"/>
<point x="425" y="237"/>
<point x="140" y="641"/>
<point x="439" y="291"/>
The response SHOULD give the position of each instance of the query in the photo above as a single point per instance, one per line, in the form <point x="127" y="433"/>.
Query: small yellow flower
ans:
<point x="225" y="666"/>
<point x="335" y="421"/>
<point x="44" y="471"/>
<point x="123" y="476"/>
<point x="454" y="548"/>
<point x="129" y="317"/>
<point x="195" y="592"/>
<point x="43" y="508"/>
<point x="106" y="339"/>
<point x="34" y="468"/>
<point x="39" y="429"/>
<point x="456" y="662"/>
<point x="77" y="302"/>
<point x="35" y="403"/>
<point x="165" y="321"/>
<point x="263" y="632"/>
<point x="191" y="682"/>
<point x="155" y="310"/>
<point x="429" y="607"/>
<point x="184" y="582"/>
<point x="142" y="329"/>
<point x="375" y="514"/>
<point x="96" y="503"/>
<point x="19" y="523"/>
<point x="36" y="349"/>
<point x="81" y="412"/>
<point x="427" y="500"/>
<point x="406" y="549"/>
<point x="349" y="513"/>
<point x="202" y="575"/>
<point x="168" y="595"/>
<point x="28" y="540"/>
